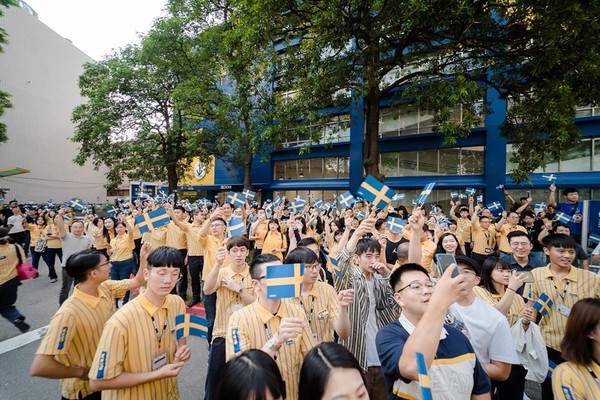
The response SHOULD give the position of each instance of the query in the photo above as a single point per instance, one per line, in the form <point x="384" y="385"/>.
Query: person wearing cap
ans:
<point x="486" y="327"/>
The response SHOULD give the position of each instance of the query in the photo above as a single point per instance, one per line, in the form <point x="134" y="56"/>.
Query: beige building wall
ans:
<point x="40" y="69"/>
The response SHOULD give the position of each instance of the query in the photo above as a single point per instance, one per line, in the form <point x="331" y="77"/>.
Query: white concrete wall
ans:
<point x="40" y="69"/>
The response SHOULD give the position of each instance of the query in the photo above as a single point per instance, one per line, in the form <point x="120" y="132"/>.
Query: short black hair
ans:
<point x="260" y="260"/>
<point x="307" y="241"/>
<point x="379" y="222"/>
<point x="469" y="262"/>
<point x="560" y="225"/>
<point x="79" y="264"/>
<point x="301" y="254"/>
<point x="179" y="207"/>
<point x="560" y="241"/>
<point x="238" y="241"/>
<point x="365" y="245"/>
<point x="570" y="190"/>
<point x="487" y="267"/>
<point x="165" y="256"/>
<point x="398" y="272"/>
<point x="515" y="234"/>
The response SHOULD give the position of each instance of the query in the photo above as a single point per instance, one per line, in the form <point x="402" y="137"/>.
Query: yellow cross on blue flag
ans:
<point x="375" y="192"/>
<point x="318" y="203"/>
<point x="562" y="217"/>
<point x="395" y="224"/>
<point x="296" y="206"/>
<point x="494" y="206"/>
<point x="112" y="211"/>
<point x="425" y="193"/>
<point x="236" y="199"/>
<point x="249" y="194"/>
<point x="549" y="178"/>
<point x="424" y="381"/>
<point x="284" y="281"/>
<point x="235" y="227"/>
<point x="190" y="325"/>
<point x="543" y="304"/>
<point x="77" y="204"/>
<point x="470" y="191"/>
<point x="594" y="238"/>
<point x="300" y="199"/>
<point x="333" y="263"/>
<point x="154" y="219"/>
<point x="360" y="214"/>
<point x="346" y="199"/>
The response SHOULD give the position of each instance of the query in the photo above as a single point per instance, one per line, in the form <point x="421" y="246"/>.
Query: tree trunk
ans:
<point x="371" y="146"/>
<point x="248" y="170"/>
<point x="172" y="177"/>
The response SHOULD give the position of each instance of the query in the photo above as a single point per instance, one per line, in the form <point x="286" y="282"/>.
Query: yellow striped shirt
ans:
<point x="121" y="248"/>
<point x="129" y="343"/>
<point x="75" y="330"/>
<point x="322" y="309"/>
<point x="35" y="231"/>
<point x="211" y="244"/>
<point x="254" y="325"/>
<point x="193" y="244"/>
<point x="483" y="240"/>
<point x="9" y="261"/>
<point x="228" y="301"/>
<point x="136" y="229"/>
<point x="464" y="229"/>
<point x="259" y="230"/>
<point x="175" y="236"/>
<point x="54" y="241"/>
<point x="573" y="381"/>
<point x="581" y="284"/>
<point x="156" y="237"/>
<point x="505" y="229"/>
<point x="516" y="308"/>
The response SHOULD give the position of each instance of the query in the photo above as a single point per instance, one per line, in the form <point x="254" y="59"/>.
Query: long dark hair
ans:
<point x="487" y="267"/>
<point x="439" y="249"/>
<point x="576" y="346"/>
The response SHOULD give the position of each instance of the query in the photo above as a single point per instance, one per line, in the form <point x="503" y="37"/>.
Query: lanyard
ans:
<point x="487" y="238"/>
<point x="593" y="374"/>
<point x="312" y="308"/>
<point x="268" y="333"/>
<point x="564" y="293"/>
<point x="159" y="335"/>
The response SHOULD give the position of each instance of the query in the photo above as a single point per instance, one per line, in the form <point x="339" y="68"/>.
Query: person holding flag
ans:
<point x="571" y="207"/>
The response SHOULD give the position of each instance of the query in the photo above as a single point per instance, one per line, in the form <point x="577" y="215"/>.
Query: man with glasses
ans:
<point x="454" y="371"/>
<point x="67" y="350"/>
<point x="138" y="356"/>
<point x="507" y="224"/>
<point x="520" y="259"/>
<point x="486" y="327"/>
<point x="276" y="327"/>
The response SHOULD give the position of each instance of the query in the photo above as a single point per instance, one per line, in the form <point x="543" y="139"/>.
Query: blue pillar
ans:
<point x="357" y="127"/>
<point x="495" y="148"/>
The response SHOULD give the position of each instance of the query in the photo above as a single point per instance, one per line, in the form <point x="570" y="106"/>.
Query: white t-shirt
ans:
<point x="371" y="328"/>
<point x="17" y="222"/>
<point x="487" y="330"/>
<point x="596" y="250"/>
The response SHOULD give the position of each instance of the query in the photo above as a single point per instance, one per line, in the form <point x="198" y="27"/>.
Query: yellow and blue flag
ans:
<point x="454" y="195"/>
<point x="479" y="199"/>
<point x="236" y="199"/>
<point x="333" y="262"/>
<point x="500" y="187"/>
<point x="346" y="199"/>
<point x="235" y="227"/>
<point x="424" y="381"/>
<point x="89" y="209"/>
<point x="539" y="205"/>
<point x="549" y="178"/>
<point x="425" y="193"/>
<point x="395" y="224"/>
<point x="249" y="194"/>
<point x="190" y="325"/>
<point x="470" y="191"/>
<point x="399" y="196"/>
<point x="203" y="202"/>
<point x="112" y="211"/>
<point x="296" y="206"/>
<point x="189" y="207"/>
<point x="594" y="238"/>
<point x="375" y="192"/>
<point x="77" y="204"/>
<point x="562" y="217"/>
<point x="300" y="199"/>
<point x="154" y="219"/>
<point x="284" y="281"/>
<point x="277" y="200"/>
<point x="543" y="304"/>
<point x="318" y="203"/>
<point x="360" y="214"/>
<point x="494" y="206"/>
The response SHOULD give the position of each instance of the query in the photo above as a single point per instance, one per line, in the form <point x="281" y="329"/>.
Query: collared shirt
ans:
<point x="516" y="308"/>
<point x="385" y="307"/>
<point x="9" y="261"/>
<point x="75" y="330"/>
<point x="194" y="247"/>
<point x="427" y="252"/>
<point x="273" y="240"/>
<point x="54" y="241"/>
<point x="129" y="343"/>
<point x="211" y="244"/>
<point x="137" y="234"/>
<point x="577" y="285"/>
<point x="156" y="237"/>
<point x="322" y="309"/>
<point x="574" y="381"/>
<point x="483" y="239"/>
<point x="121" y="248"/>
<point x="35" y="232"/>
<point x="464" y="229"/>
<point x="229" y="301"/>
<point x="176" y="236"/>
<point x="251" y="328"/>
<point x="258" y="230"/>
<point x="505" y="229"/>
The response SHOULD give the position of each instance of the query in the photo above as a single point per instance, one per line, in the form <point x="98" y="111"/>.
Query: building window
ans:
<point x="312" y="168"/>
<point x="455" y="161"/>
<point x="336" y="130"/>
<point x="585" y="156"/>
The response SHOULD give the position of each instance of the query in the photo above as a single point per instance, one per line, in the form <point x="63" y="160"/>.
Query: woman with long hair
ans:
<point x="579" y="376"/>
<point x="446" y="244"/>
<point x="53" y="246"/>
<point x="274" y="241"/>
<point x="121" y="254"/>
<point x="37" y="242"/>
<point x="9" y="281"/>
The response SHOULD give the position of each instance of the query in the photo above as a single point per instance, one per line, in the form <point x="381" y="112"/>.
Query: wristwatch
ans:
<point x="241" y="290"/>
<point x="272" y="344"/>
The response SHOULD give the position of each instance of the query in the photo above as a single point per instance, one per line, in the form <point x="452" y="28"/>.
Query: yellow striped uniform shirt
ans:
<point x="175" y="236"/>
<point x="483" y="240"/>
<point x="259" y="230"/>
<point x="581" y="284"/>
<point x="251" y="328"/>
<point x="505" y="229"/>
<point x="573" y="381"/>
<point x="54" y="241"/>
<point x="100" y="242"/>
<point x="193" y="244"/>
<point x="229" y="301"/>
<point x="211" y="244"/>
<point x="121" y="248"/>
<point x="516" y="308"/>
<point x="75" y="330"/>
<point x="156" y="237"/>
<point x="136" y="229"/>
<point x="129" y="343"/>
<point x="35" y="232"/>
<point x="9" y="261"/>
<point x="322" y="309"/>
<point x="464" y="229"/>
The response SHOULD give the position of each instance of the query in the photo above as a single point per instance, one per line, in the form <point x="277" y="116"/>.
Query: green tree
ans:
<point x="4" y="97"/>
<point x="541" y="56"/>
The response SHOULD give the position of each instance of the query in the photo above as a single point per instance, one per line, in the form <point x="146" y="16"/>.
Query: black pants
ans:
<point x="554" y="356"/>
<point x="480" y="258"/>
<point x="513" y="387"/>
<point x="183" y="283"/>
<point x="92" y="396"/>
<point x="216" y="363"/>
<point x="196" y="265"/>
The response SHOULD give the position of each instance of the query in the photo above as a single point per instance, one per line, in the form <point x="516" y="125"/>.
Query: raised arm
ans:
<point x="60" y="223"/>
<point x="416" y="222"/>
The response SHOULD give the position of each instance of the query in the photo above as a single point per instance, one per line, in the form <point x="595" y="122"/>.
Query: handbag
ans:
<point x="40" y="245"/>
<point x="25" y="270"/>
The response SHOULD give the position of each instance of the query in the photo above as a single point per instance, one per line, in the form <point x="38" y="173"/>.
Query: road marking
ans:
<point x="22" y="340"/>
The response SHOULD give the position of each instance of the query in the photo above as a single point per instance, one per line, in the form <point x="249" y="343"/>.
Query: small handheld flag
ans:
<point x="189" y="207"/>
<point x="543" y="304"/>
<point x="190" y="325"/>
<point x="236" y="199"/>
<point x="249" y="194"/>
<point x="424" y="381"/>
<point x="360" y="214"/>
<point x="77" y="204"/>
<point x="318" y="203"/>
<point x="284" y="281"/>
<point x="549" y="178"/>
<point x="539" y="205"/>
<point x="425" y="193"/>
<point x="479" y="199"/>
<point x="296" y="206"/>
<point x="346" y="199"/>
<point x="395" y="224"/>
<point x="89" y="210"/>
<point x="112" y="211"/>
<point x="454" y="195"/>
<point x="235" y="227"/>
<point x="154" y="219"/>
<point x="494" y="206"/>
<point x="375" y="192"/>
<point x="594" y="238"/>
<point x="470" y="191"/>
<point x="562" y="217"/>
<point x="277" y="200"/>
<point x="500" y="187"/>
<point x="399" y="196"/>
<point x="333" y="262"/>
<point x="300" y="199"/>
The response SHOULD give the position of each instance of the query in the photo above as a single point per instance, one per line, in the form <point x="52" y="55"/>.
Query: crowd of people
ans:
<point x="516" y="303"/>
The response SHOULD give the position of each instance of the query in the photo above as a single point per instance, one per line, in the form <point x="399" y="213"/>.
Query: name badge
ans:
<point x="488" y="250"/>
<point x="159" y="361"/>
<point x="564" y="310"/>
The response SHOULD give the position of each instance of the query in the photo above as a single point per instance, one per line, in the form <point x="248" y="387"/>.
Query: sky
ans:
<point x="98" y="26"/>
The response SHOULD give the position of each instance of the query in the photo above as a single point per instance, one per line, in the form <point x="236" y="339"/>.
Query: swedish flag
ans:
<point x="479" y="199"/>
<point x="360" y="214"/>
<point x="77" y="204"/>
<point x="594" y="238"/>
<point x="470" y="191"/>
<point x="454" y="195"/>
<point x="562" y="217"/>
<point x="154" y="219"/>
<point x="235" y="227"/>
<point x="375" y="192"/>
<point x="300" y="199"/>
<point x="284" y="281"/>
<point x="424" y="381"/>
<point x="296" y="206"/>
<point x="333" y="262"/>
<point x="190" y="325"/>
<point x="395" y="224"/>
<point x="189" y="207"/>
<point x="399" y="196"/>
<point x="277" y="200"/>
<point x="543" y="304"/>
<point x="236" y="199"/>
<point x="494" y="206"/>
<point x="346" y="199"/>
<point x="425" y="193"/>
<point x="318" y="203"/>
<point x="541" y="204"/>
<point x="112" y="211"/>
<point x="249" y="194"/>
<point x="549" y="178"/>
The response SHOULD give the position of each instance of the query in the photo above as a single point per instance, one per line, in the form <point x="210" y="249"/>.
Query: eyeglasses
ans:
<point x="467" y="272"/>
<point x="519" y="244"/>
<point x="314" y="266"/>
<point x="217" y="226"/>
<point x="417" y="287"/>
<point x="108" y="262"/>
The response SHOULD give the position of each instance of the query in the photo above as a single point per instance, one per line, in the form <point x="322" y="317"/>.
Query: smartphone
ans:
<point x="443" y="261"/>
<point x="528" y="276"/>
